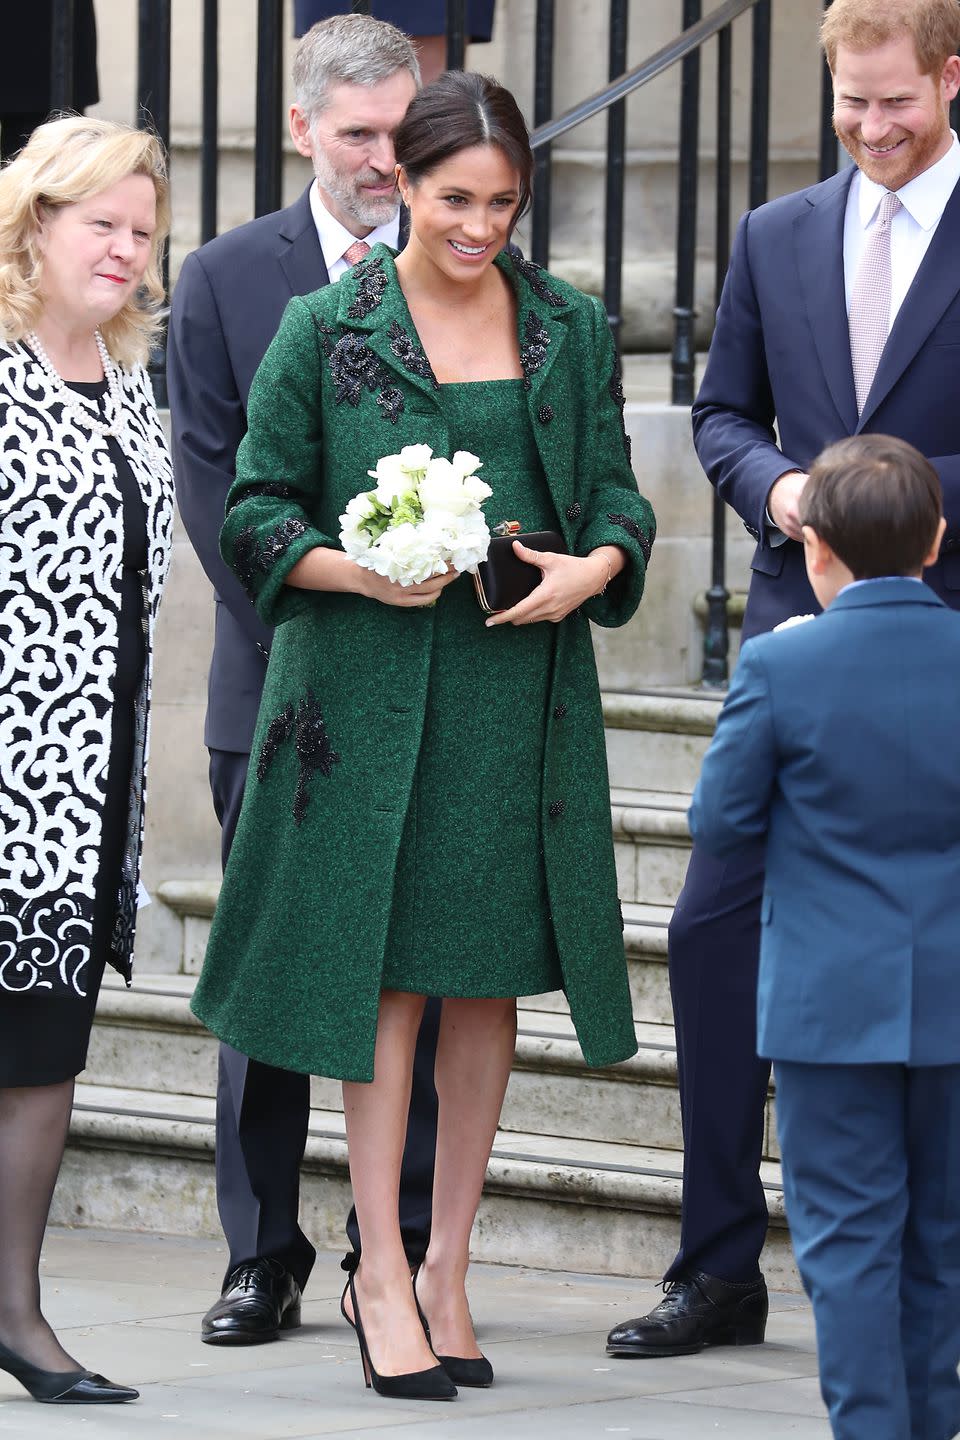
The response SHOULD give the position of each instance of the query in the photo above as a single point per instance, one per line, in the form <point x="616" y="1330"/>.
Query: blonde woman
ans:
<point x="85" y="524"/>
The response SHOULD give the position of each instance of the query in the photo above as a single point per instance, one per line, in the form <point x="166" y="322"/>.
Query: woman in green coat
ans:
<point x="428" y="810"/>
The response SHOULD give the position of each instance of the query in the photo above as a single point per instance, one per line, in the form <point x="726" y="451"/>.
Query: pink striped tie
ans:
<point x="869" y="317"/>
<point x="356" y="252"/>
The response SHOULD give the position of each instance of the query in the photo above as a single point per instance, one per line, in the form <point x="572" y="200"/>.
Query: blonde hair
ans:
<point x="933" y="26"/>
<point x="64" y="162"/>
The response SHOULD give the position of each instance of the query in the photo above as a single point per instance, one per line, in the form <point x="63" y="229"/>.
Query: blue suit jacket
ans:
<point x="840" y="741"/>
<point x="781" y="352"/>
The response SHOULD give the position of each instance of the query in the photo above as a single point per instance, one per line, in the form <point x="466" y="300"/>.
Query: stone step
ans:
<point x="652" y="843"/>
<point x="149" y="1033"/>
<point x="143" y="1160"/>
<point x="676" y="726"/>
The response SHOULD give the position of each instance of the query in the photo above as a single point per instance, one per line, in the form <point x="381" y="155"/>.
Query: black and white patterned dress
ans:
<point x="85" y="532"/>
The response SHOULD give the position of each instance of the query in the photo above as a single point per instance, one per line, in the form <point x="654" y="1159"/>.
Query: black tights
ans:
<point x="34" y="1120"/>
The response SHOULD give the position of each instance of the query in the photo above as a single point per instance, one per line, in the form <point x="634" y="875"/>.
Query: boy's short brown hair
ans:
<point x="877" y="503"/>
<point x="933" y="25"/>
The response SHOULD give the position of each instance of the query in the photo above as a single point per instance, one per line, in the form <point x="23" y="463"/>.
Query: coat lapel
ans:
<point x="299" y="252"/>
<point x="818" y="236"/>
<point x="935" y="285"/>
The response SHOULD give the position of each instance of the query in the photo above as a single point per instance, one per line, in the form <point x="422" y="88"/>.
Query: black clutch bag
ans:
<point x="503" y="579"/>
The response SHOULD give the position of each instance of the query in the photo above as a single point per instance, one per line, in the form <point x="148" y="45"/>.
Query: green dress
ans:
<point x="451" y="915"/>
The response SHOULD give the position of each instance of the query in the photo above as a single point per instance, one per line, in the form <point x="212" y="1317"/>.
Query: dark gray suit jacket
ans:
<point x="226" y="309"/>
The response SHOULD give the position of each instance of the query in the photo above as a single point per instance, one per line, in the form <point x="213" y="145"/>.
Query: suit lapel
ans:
<point x="818" y="236"/>
<point x="299" y="252"/>
<point x="935" y="285"/>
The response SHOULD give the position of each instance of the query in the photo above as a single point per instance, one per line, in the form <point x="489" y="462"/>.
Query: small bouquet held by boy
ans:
<point x="423" y="518"/>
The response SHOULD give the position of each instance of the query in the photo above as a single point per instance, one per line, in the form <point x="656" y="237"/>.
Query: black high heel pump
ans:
<point x="432" y="1384"/>
<point x="64" y="1387"/>
<point x="477" y="1374"/>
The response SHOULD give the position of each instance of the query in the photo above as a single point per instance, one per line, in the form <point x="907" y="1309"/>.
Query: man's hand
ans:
<point x="784" y="500"/>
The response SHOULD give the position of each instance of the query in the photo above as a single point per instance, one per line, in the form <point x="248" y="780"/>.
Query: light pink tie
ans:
<point x="356" y="252"/>
<point x="870" y="301"/>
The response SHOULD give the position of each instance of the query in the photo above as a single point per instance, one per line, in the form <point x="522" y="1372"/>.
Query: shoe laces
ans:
<point x="252" y="1276"/>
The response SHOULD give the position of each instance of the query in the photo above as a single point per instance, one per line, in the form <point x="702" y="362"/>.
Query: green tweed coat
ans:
<point x="293" y="967"/>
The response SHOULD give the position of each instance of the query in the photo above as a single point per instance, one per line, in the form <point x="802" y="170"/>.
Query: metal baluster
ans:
<point x="760" y="106"/>
<point x="209" y="152"/>
<point x="267" y="175"/>
<point x="684" y="349"/>
<point x="542" y="111"/>
<point x="456" y="33"/>
<point x="828" y="140"/>
<point x="62" y="73"/>
<point x="716" y="640"/>
<point x="616" y="167"/>
<point x="153" y="111"/>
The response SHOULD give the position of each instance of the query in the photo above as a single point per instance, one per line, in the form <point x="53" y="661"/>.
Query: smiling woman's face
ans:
<point x="461" y="213"/>
<point x="95" y="253"/>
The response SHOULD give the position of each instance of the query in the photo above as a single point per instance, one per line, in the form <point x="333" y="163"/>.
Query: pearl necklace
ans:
<point x="111" y="424"/>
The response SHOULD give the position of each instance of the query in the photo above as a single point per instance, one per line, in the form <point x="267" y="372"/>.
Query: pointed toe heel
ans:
<point x="432" y="1384"/>
<point x="471" y="1374"/>
<point x="64" y="1387"/>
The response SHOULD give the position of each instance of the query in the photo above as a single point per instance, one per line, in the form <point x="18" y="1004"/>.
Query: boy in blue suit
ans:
<point x="840" y="743"/>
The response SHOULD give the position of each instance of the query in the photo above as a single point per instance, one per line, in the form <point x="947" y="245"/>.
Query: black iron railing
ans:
<point x="688" y="50"/>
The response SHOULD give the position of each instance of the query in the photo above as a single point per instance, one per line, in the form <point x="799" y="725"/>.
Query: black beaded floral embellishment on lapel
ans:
<point x="327" y="333"/>
<point x="270" y="487"/>
<point x="620" y="400"/>
<point x="371" y="285"/>
<point x="534" y="352"/>
<point x="312" y="744"/>
<point x="391" y="402"/>
<point x="545" y="414"/>
<point x="411" y="358"/>
<point x="354" y="368"/>
<point x="632" y="528"/>
<point x="534" y="278"/>
<point x="253" y="557"/>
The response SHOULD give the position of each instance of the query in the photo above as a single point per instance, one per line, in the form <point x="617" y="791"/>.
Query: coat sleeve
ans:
<point x="731" y="802"/>
<point x="268" y="525"/>
<point x="615" y="513"/>
<point x="207" y="425"/>
<point x="733" y="414"/>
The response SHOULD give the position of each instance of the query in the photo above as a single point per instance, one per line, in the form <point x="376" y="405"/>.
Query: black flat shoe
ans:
<point x="698" y="1310"/>
<point x="432" y="1384"/>
<point x="472" y="1374"/>
<point x="64" y="1387"/>
<point x="258" y="1301"/>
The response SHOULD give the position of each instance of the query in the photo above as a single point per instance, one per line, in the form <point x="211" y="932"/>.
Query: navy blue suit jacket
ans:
<point x="781" y="354"/>
<point x="226" y="309"/>
<point x="839" y="742"/>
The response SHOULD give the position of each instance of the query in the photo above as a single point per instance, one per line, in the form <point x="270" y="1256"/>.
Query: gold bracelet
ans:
<point x="603" y="587"/>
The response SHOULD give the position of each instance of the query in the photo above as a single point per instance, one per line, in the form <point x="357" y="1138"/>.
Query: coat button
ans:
<point x="545" y="414"/>
<point x="559" y="712"/>
<point x="557" y="808"/>
<point x="574" y="511"/>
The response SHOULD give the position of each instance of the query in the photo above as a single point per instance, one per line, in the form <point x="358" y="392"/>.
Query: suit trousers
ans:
<point x="871" y="1172"/>
<point x="263" y="1113"/>
<point x="714" y="952"/>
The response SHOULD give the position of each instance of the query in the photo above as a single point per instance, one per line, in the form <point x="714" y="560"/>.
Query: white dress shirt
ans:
<point x="336" y="238"/>
<point x="923" y="201"/>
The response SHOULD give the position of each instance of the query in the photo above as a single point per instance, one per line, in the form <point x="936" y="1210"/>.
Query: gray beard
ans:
<point x="365" y="209"/>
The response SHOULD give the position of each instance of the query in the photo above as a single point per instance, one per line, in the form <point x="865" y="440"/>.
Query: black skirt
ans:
<point x="44" y="1034"/>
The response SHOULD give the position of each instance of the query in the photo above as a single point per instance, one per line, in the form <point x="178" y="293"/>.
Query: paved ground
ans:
<point x="131" y="1305"/>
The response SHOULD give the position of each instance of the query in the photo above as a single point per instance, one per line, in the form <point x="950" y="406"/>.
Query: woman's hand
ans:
<point x="568" y="580"/>
<point x="390" y="592"/>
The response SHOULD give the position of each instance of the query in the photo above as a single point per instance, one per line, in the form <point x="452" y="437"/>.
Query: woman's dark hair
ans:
<point x="877" y="502"/>
<point x="456" y="112"/>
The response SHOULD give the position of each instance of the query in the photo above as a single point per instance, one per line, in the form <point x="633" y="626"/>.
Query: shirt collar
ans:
<point x="876" y="580"/>
<point x="335" y="238"/>
<point x="924" y="197"/>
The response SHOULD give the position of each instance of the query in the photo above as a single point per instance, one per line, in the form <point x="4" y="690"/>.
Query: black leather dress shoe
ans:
<point x="258" y="1301"/>
<point x="697" y="1310"/>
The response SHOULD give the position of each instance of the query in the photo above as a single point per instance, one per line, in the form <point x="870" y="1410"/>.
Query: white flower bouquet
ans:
<point x="423" y="518"/>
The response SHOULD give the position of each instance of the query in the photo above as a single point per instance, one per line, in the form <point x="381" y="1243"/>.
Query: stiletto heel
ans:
<point x="432" y="1384"/>
<point x="64" y="1387"/>
<point x="477" y="1374"/>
